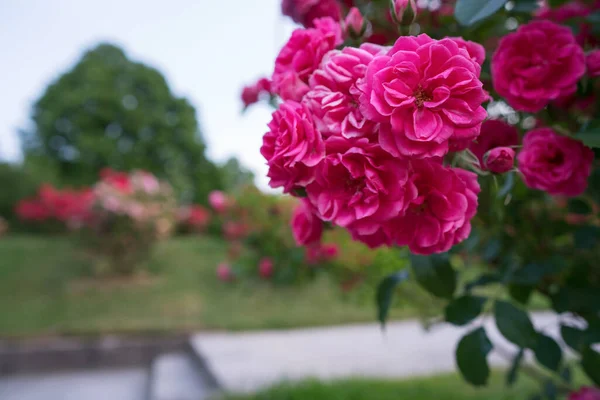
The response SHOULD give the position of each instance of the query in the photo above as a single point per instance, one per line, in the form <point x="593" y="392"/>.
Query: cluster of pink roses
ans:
<point x="365" y="132"/>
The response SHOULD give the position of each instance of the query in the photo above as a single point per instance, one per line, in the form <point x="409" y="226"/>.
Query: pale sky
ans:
<point x="207" y="50"/>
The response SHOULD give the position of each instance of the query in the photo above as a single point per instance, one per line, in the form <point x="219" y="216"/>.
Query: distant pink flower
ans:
<point x="265" y="268"/>
<point x="440" y="216"/>
<point x="234" y="230"/>
<point x="499" y="160"/>
<point x="218" y="201"/>
<point x="149" y="183"/>
<point x="307" y="228"/>
<point x="568" y="11"/>
<point x="354" y="24"/>
<point x="538" y="63"/>
<point x="359" y="186"/>
<point x="556" y="164"/>
<point x="305" y="11"/>
<point x="425" y="92"/>
<point x="301" y="56"/>
<point x="333" y="96"/>
<point x="592" y="61"/>
<point x="330" y="251"/>
<point x="225" y="273"/>
<point x="586" y="393"/>
<point x="252" y="93"/>
<point x="292" y="147"/>
<point x="494" y="133"/>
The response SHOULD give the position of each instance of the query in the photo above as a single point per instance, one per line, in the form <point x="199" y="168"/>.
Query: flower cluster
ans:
<point x="194" y="217"/>
<point x="366" y="136"/>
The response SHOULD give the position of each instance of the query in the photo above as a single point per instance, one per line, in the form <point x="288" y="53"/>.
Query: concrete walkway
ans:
<point x="245" y="362"/>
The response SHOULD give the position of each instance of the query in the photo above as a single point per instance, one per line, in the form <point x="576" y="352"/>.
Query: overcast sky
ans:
<point x="207" y="49"/>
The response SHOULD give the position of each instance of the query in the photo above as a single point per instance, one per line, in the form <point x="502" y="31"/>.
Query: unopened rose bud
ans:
<point x="499" y="160"/>
<point x="355" y="25"/>
<point x="404" y="12"/>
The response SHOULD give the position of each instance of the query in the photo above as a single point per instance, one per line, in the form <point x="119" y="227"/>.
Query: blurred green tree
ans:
<point x="235" y="176"/>
<point x="109" y="111"/>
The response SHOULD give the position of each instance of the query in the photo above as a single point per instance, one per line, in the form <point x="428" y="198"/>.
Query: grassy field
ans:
<point x="445" y="387"/>
<point x="42" y="292"/>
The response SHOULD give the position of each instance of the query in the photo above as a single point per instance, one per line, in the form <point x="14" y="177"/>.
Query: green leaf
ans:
<point x="520" y="293"/>
<point x="532" y="274"/>
<point x="483" y="280"/>
<point x="511" y="376"/>
<point x="548" y="352"/>
<point x="590" y="361"/>
<point x="586" y="237"/>
<point x="464" y="309"/>
<point x="467" y="12"/>
<point x="385" y="293"/>
<point x="573" y="337"/>
<point x="578" y="300"/>
<point x="471" y="357"/>
<point x="515" y="325"/>
<point x="435" y="274"/>
<point x="509" y="183"/>
<point x="525" y="6"/>
<point x="579" y="206"/>
<point x="590" y="134"/>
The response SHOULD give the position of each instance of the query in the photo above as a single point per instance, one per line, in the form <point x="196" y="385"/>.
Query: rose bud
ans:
<point x="499" y="160"/>
<point x="404" y="12"/>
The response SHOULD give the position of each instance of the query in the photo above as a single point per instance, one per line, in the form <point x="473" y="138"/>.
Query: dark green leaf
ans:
<point x="532" y="274"/>
<point x="520" y="293"/>
<point x="385" y="293"/>
<point x="464" y="309"/>
<point x="515" y="325"/>
<point x="548" y="352"/>
<point x="587" y="237"/>
<point x="590" y="361"/>
<point x="492" y="250"/>
<point x="435" y="274"/>
<point x="471" y="357"/>
<point x="590" y="134"/>
<point x="509" y="183"/>
<point x="483" y="280"/>
<point x="573" y="337"/>
<point x="513" y="372"/>
<point x="578" y="206"/>
<point x="467" y="12"/>
<point x="579" y="300"/>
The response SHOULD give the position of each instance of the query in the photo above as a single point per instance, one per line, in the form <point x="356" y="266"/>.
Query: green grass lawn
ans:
<point x="444" y="387"/>
<point x="42" y="292"/>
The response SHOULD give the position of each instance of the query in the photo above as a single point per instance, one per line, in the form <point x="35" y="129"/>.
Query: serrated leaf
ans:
<point x="385" y="293"/>
<point x="590" y="362"/>
<point x="467" y="12"/>
<point x="548" y="352"/>
<point x="511" y="376"/>
<point x="515" y="325"/>
<point x="435" y="274"/>
<point x="471" y="357"/>
<point x="463" y="310"/>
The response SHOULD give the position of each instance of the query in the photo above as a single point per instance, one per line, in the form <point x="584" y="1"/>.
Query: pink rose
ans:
<point x="265" y="268"/>
<point x="556" y="164"/>
<point x="586" y="393"/>
<point x="301" y="56"/>
<point x="251" y="94"/>
<point x="475" y="50"/>
<point x="307" y="228"/>
<point x="538" y="63"/>
<point x="499" y="160"/>
<point x="569" y="11"/>
<point x="404" y="12"/>
<point x="494" y="133"/>
<point x="440" y="217"/>
<point x="379" y="238"/>
<point x="292" y="147"/>
<point x="425" y="92"/>
<point x="218" y="201"/>
<point x="333" y="96"/>
<point x="592" y="62"/>
<point x="330" y="251"/>
<point x="359" y="186"/>
<point x="305" y="11"/>
<point x="225" y="273"/>
<point x="149" y="182"/>
<point x="354" y="24"/>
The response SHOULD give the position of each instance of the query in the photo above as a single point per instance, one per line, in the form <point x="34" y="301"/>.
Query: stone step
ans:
<point x="177" y="376"/>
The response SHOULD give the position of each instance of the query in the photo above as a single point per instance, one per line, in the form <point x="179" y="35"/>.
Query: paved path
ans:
<point x="246" y="362"/>
<point x="118" y="384"/>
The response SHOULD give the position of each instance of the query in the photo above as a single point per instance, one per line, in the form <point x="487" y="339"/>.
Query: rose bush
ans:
<point x="463" y="141"/>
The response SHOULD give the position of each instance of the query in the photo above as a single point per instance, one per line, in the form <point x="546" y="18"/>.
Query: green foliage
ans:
<point x="548" y="353"/>
<point x="515" y="325"/>
<point x="109" y="111"/>
<point x="435" y="274"/>
<point x="385" y="293"/>
<point x="471" y="357"/>
<point x="463" y="310"/>
<point x="468" y="12"/>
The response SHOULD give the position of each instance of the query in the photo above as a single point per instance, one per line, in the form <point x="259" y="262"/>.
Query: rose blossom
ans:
<point x="252" y="93"/>
<point x="475" y="50"/>
<point x="592" y="62"/>
<point x="440" y="216"/>
<point x="499" y="160"/>
<point x="301" y="56"/>
<point x="307" y="228"/>
<point x="333" y="97"/>
<point x="358" y="186"/>
<point x="292" y="147"/>
<point x="354" y="24"/>
<point x="494" y="133"/>
<point x="265" y="268"/>
<point x="424" y="92"/>
<point x="538" y="63"/>
<point x="557" y="164"/>
<point x="218" y="201"/>
<point x="569" y="11"/>
<point x="305" y="11"/>
<point x="225" y="273"/>
<point x="586" y="393"/>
